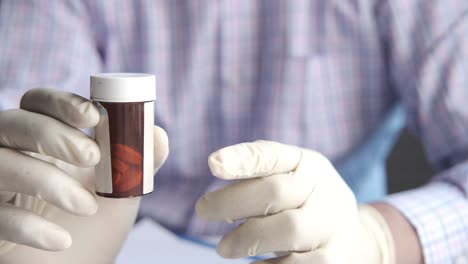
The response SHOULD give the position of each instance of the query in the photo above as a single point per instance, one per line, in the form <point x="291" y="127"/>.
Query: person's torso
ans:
<point x="307" y="73"/>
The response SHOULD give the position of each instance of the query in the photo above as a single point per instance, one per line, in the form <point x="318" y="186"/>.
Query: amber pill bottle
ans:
<point x="125" y="133"/>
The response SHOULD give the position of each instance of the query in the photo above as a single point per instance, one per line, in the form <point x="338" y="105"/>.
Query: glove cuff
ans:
<point x="379" y="230"/>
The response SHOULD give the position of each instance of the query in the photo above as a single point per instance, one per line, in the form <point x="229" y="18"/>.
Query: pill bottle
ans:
<point x="125" y="133"/>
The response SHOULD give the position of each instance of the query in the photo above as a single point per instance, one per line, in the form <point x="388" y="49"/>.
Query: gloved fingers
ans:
<point x="267" y="195"/>
<point x="64" y="106"/>
<point x="25" y="228"/>
<point x="278" y="260"/>
<point x="287" y="259"/>
<point x="28" y="175"/>
<point x="285" y="231"/>
<point x="161" y="147"/>
<point x="256" y="197"/>
<point x="318" y="256"/>
<point x="34" y="132"/>
<point x="254" y="159"/>
<point x="6" y="196"/>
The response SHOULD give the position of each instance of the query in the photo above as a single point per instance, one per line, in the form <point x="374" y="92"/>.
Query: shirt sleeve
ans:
<point x="46" y="44"/>
<point x="426" y="44"/>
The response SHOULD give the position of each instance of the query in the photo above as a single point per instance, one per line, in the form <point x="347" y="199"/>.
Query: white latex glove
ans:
<point x="293" y="201"/>
<point x="47" y="174"/>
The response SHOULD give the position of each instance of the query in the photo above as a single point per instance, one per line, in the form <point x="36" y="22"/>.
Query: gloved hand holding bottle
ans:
<point x="47" y="184"/>
<point x="293" y="201"/>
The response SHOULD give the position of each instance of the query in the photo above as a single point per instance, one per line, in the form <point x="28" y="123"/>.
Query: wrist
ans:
<point x="380" y="240"/>
<point x="406" y="241"/>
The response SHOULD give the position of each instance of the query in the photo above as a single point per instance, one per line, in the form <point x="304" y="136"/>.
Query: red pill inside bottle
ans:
<point x="125" y="133"/>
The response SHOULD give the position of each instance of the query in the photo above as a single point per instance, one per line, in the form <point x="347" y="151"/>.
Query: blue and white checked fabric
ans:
<point x="317" y="74"/>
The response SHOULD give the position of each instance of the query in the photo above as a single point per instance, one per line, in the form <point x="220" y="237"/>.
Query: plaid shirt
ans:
<point x="318" y="74"/>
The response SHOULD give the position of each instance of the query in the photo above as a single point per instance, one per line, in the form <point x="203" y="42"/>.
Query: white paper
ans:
<point x="151" y="243"/>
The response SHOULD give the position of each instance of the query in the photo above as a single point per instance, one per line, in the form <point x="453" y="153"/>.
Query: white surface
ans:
<point x="123" y="87"/>
<point x="462" y="259"/>
<point x="151" y="243"/>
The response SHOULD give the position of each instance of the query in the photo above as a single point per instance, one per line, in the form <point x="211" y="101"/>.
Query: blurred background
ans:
<point x="407" y="166"/>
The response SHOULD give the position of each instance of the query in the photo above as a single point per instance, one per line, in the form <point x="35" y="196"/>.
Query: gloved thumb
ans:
<point x="161" y="147"/>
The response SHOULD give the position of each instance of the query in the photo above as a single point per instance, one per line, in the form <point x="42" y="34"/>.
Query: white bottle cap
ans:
<point x="123" y="87"/>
